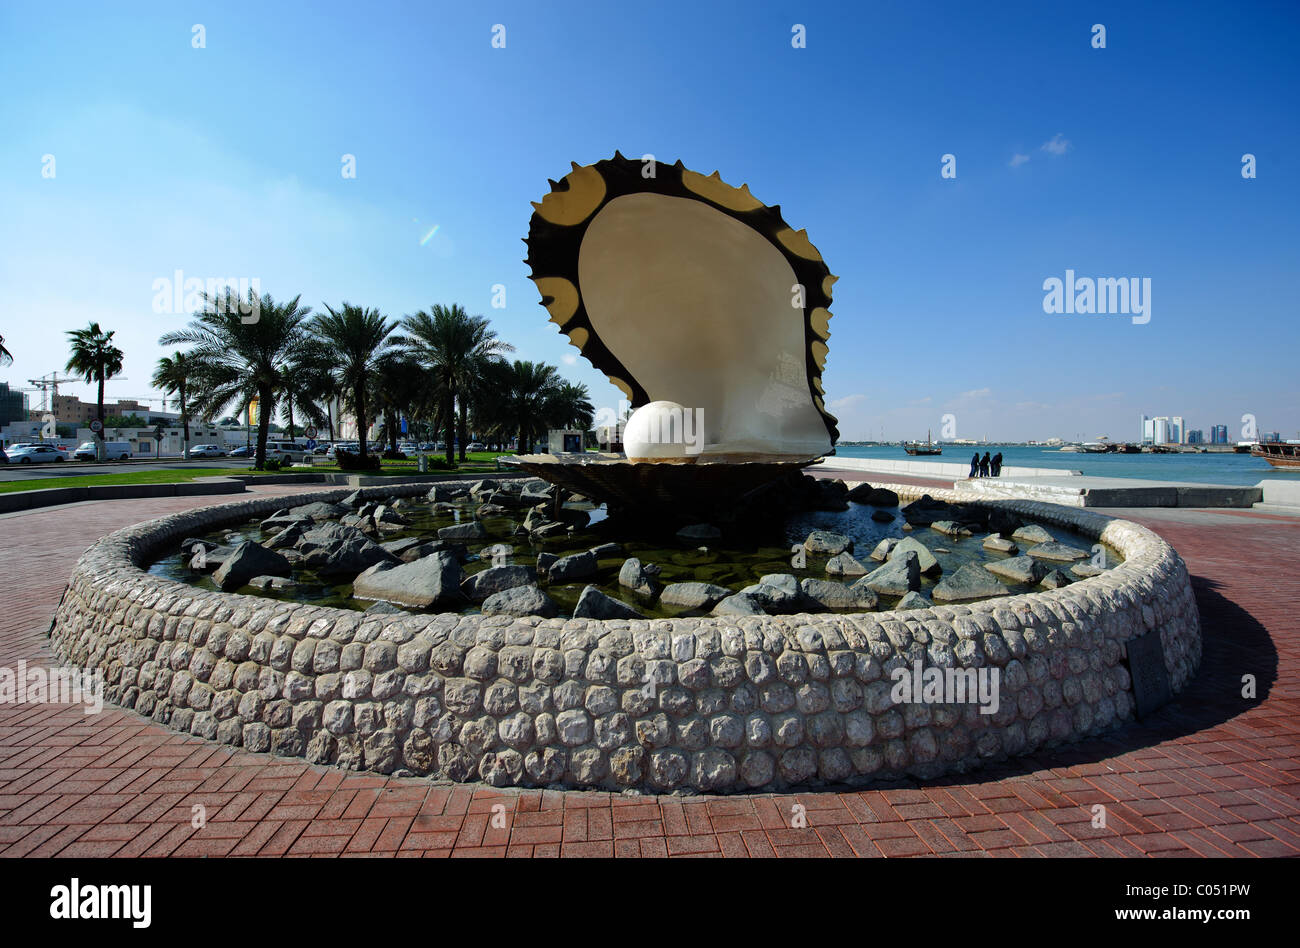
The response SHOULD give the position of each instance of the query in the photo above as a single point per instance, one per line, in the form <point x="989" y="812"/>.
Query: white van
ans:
<point x="113" y="451"/>
<point x="286" y="452"/>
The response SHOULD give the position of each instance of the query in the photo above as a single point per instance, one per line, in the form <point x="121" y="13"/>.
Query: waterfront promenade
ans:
<point x="1211" y="774"/>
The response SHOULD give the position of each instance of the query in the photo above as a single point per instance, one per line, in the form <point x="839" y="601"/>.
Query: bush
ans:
<point x="440" y="463"/>
<point x="394" y="455"/>
<point x="272" y="464"/>
<point x="351" y="461"/>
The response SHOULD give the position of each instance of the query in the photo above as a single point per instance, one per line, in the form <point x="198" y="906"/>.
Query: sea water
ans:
<point x="1223" y="468"/>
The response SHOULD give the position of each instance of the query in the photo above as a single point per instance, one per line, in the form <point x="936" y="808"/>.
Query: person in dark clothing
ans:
<point x="975" y="464"/>
<point x="984" y="465"/>
<point x="995" y="466"/>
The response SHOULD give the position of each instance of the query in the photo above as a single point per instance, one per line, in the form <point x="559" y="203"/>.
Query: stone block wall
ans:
<point x="707" y="704"/>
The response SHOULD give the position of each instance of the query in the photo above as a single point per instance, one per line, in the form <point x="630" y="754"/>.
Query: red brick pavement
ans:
<point x="1210" y="775"/>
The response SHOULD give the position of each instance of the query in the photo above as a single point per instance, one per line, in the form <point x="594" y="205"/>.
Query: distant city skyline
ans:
<point x="130" y="154"/>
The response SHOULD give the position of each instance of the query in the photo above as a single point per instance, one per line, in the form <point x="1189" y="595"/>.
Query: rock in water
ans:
<point x="470" y="530"/>
<point x="883" y="549"/>
<point x="899" y="576"/>
<point x="1018" y="569"/>
<point x="838" y="596"/>
<point x="497" y="579"/>
<point x="594" y="604"/>
<point x="319" y="511"/>
<point x="385" y="609"/>
<point x="1057" y="552"/>
<point x="347" y="557"/>
<point x="776" y="592"/>
<point x="950" y="528"/>
<point x="845" y="564"/>
<point x="1032" y="533"/>
<point x="520" y="601"/>
<point x="247" y="561"/>
<point x="969" y="583"/>
<point x="694" y="595"/>
<point x="433" y="580"/>
<point x="913" y="600"/>
<point x="925" y="560"/>
<point x="882" y="516"/>
<point x="575" y="566"/>
<point x="998" y="543"/>
<point x="1055" y="580"/>
<point x="1084" y="570"/>
<point x="638" y="577"/>
<point x="826" y="543"/>
<point x="740" y="604"/>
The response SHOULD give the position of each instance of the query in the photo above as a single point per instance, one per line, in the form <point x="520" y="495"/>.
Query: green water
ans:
<point x="731" y="562"/>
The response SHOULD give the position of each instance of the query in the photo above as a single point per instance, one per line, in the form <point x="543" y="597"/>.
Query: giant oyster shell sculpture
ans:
<point x="698" y="301"/>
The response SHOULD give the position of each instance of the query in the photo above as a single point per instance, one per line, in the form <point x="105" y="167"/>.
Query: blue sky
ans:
<point x="225" y="161"/>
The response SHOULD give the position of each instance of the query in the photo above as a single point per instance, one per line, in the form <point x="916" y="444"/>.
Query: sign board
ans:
<point x="311" y="444"/>
<point x="97" y="426"/>
<point x="1146" y="666"/>
<point x="403" y="426"/>
<point x="311" y="433"/>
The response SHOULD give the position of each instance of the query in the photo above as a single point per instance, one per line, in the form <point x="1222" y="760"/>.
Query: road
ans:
<point x="18" y="472"/>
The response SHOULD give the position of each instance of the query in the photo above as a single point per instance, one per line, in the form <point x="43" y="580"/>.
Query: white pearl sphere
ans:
<point x="655" y="431"/>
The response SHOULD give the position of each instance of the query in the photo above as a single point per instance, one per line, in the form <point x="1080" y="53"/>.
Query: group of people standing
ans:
<point x="986" y="466"/>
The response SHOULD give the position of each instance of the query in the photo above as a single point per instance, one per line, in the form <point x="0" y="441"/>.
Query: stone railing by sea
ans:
<point x="708" y="704"/>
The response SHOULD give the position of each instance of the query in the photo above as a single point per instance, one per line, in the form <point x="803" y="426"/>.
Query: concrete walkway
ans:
<point x="1212" y="774"/>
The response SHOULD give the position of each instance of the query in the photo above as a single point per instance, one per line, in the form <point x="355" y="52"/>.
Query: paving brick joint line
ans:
<point x="1212" y="774"/>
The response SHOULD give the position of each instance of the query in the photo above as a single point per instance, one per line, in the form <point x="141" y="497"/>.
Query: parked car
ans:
<point x="286" y="452"/>
<point x="241" y="452"/>
<point x="4" y="458"/>
<point x="322" y="449"/>
<point x="37" y="454"/>
<point x="477" y="446"/>
<point x="113" y="451"/>
<point x="206" y="451"/>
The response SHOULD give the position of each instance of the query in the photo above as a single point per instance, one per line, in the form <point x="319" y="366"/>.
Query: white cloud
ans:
<point x="847" y="402"/>
<point x="1018" y="159"/>
<point x="1058" y="145"/>
<point x="977" y="393"/>
<point x="569" y="359"/>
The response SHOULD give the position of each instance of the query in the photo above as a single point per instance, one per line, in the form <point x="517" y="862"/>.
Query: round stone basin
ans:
<point x="731" y="561"/>
<point x="715" y="704"/>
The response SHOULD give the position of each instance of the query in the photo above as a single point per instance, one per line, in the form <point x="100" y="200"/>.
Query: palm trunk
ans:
<point x="361" y="418"/>
<point x="449" y="414"/>
<point x="289" y="405"/>
<point x="185" y="421"/>
<point x="464" y="426"/>
<point x="263" y="424"/>
<point x="99" y="405"/>
<point x="329" y="417"/>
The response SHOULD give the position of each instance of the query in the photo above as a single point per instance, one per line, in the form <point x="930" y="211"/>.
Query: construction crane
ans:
<point x="47" y="385"/>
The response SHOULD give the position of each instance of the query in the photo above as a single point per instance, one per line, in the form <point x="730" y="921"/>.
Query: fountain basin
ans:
<point x="709" y="704"/>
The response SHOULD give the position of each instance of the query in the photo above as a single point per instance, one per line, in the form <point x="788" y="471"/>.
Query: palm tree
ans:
<point x="241" y="360"/>
<point x="6" y="357"/>
<point x="300" y="383"/>
<point x="523" y="399"/>
<point x="400" y="388"/>
<point x="358" y="343"/>
<point x="173" y="376"/>
<point x="571" y="406"/>
<point x="457" y="349"/>
<point x="95" y="359"/>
